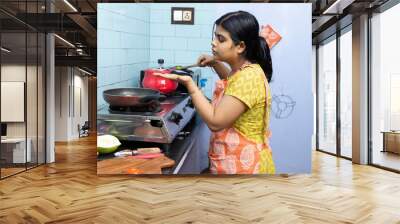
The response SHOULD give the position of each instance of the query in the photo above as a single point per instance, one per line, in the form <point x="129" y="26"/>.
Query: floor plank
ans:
<point x="69" y="191"/>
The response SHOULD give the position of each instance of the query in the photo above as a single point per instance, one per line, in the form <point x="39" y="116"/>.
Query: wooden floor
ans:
<point x="5" y="172"/>
<point x="387" y="159"/>
<point x="10" y="171"/>
<point x="69" y="191"/>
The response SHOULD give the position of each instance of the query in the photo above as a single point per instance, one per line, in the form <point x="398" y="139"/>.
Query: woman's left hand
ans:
<point x="183" y="79"/>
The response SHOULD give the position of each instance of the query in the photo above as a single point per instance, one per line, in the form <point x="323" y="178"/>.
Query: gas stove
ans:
<point x="161" y="123"/>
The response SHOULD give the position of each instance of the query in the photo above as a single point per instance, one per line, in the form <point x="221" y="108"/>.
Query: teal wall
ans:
<point x="123" y="45"/>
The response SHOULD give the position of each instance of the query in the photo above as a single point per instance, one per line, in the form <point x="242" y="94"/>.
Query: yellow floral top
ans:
<point x="248" y="86"/>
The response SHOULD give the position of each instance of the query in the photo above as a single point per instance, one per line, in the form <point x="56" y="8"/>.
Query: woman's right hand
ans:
<point x="206" y="60"/>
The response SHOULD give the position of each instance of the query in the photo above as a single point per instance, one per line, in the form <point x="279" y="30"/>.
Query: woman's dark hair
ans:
<point x="243" y="26"/>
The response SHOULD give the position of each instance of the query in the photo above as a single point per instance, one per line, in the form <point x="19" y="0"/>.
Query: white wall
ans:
<point x="70" y="83"/>
<point x="79" y="117"/>
<point x="61" y="103"/>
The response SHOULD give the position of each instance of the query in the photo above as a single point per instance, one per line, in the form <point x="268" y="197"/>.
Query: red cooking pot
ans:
<point x="159" y="83"/>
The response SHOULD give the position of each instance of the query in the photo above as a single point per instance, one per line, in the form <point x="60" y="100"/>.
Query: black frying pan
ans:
<point x="127" y="97"/>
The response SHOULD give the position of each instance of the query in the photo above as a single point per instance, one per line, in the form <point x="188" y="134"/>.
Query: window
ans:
<point x="385" y="89"/>
<point x="327" y="96"/>
<point x="346" y="76"/>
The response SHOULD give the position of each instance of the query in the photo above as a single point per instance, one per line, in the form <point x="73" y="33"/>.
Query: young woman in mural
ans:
<point x="239" y="113"/>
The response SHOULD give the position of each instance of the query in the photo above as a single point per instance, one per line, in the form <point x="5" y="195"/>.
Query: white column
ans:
<point x="360" y="90"/>
<point x="50" y="92"/>
<point x="50" y="100"/>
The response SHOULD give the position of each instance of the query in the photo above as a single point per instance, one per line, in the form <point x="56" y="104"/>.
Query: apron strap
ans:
<point x="267" y="132"/>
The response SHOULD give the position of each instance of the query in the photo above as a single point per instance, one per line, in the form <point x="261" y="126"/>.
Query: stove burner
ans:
<point x="172" y="116"/>
<point x="152" y="107"/>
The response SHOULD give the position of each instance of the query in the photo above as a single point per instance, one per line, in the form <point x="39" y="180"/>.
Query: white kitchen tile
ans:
<point x="138" y="27"/>
<point x="109" y="39"/>
<point x="115" y="74"/>
<point x="118" y="8"/>
<point x="100" y="100"/>
<point x="199" y="44"/>
<point x="174" y="43"/>
<point x="206" y="6"/>
<point x="104" y="19"/>
<point x="106" y="76"/>
<point x="125" y="40"/>
<point x="101" y="79"/>
<point x="119" y="57"/>
<point x="163" y="30"/>
<point x="187" y="31"/>
<point x="205" y="17"/>
<point x="105" y="57"/>
<point x="167" y="55"/>
<point x="160" y="16"/>
<point x="160" y="6"/>
<point x="140" y="41"/>
<point x="186" y="57"/>
<point x="121" y="22"/>
<point x="137" y="56"/>
<point x="206" y="31"/>
<point x="156" y="42"/>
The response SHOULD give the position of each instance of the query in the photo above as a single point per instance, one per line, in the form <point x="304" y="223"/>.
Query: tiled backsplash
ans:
<point x="123" y="45"/>
<point x="181" y="44"/>
<point x="131" y="37"/>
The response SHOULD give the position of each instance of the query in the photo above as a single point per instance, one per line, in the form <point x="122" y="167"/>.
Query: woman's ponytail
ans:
<point x="264" y="58"/>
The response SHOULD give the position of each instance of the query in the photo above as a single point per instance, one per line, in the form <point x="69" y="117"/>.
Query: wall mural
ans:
<point x="282" y="106"/>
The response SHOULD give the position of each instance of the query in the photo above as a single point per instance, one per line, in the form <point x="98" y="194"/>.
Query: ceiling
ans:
<point x="76" y="23"/>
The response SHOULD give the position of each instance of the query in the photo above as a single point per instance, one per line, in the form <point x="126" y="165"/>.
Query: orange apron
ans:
<point x="233" y="153"/>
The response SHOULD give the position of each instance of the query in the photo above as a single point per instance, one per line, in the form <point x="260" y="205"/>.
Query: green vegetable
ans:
<point x="107" y="144"/>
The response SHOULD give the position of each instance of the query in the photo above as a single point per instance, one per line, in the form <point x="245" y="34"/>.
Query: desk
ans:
<point x="391" y="141"/>
<point x="13" y="150"/>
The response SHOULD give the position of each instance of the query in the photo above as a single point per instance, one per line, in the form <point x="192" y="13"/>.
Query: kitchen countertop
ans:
<point x="133" y="165"/>
<point x="190" y="153"/>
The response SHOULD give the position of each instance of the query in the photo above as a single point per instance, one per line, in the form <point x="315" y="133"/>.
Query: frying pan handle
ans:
<point x="148" y="99"/>
<point x="162" y="97"/>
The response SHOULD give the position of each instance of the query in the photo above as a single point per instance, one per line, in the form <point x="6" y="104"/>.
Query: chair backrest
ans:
<point x="86" y="125"/>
